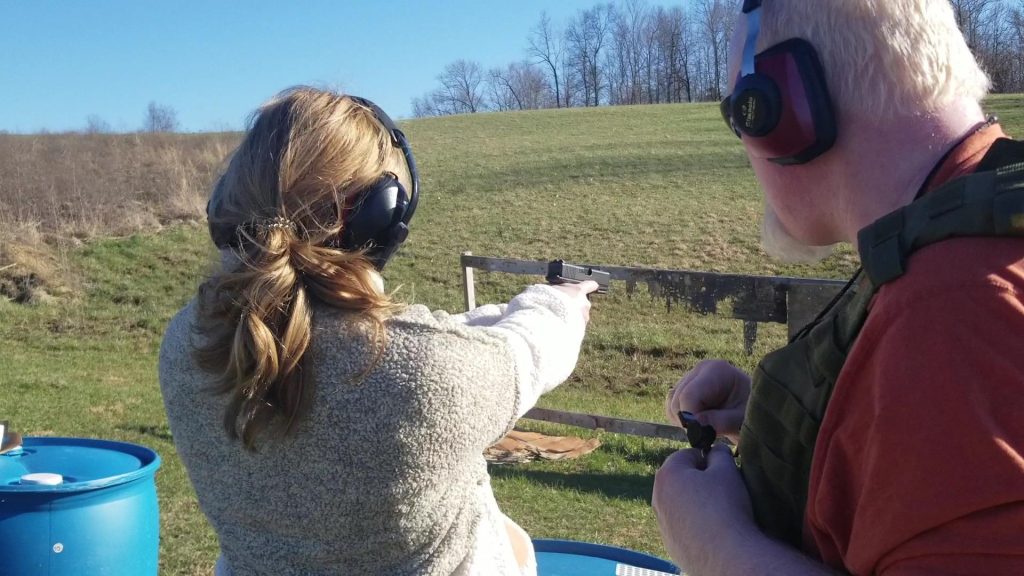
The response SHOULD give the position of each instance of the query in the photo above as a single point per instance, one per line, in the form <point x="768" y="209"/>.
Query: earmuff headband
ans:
<point x="398" y="140"/>
<point x="750" y="45"/>
<point x="378" y="222"/>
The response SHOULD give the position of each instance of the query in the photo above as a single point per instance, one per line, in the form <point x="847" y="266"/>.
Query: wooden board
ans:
<point x="608" y="424"/>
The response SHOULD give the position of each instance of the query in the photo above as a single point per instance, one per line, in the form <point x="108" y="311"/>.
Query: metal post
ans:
<point x="468" y="284"/>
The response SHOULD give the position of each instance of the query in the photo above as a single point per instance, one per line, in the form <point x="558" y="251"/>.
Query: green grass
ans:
<point x="659" y="186"/>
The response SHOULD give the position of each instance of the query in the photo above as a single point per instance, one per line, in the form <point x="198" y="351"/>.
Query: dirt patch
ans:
<point x="27" y="265"/>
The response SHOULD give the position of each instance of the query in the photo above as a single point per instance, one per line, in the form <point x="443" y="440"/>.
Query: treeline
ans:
<point x="159" y="118"/>
<point x="994" y="29"/>
<point x="634" y="53"/>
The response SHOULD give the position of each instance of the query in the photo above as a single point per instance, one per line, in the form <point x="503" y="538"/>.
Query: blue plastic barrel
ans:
<point x="101" y="518"/>
<point x="569" y="558"/>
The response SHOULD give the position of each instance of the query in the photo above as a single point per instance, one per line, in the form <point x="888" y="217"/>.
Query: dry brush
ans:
<point x="57" y="190"/>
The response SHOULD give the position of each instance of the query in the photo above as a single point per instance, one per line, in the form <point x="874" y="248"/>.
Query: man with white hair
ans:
<point x="887" y="437"/>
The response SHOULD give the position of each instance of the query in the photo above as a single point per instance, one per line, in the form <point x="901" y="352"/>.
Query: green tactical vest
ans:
<point x="792" y="386"/>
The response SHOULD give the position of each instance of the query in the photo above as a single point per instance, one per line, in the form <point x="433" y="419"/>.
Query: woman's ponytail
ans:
<point x="255" y="317"/>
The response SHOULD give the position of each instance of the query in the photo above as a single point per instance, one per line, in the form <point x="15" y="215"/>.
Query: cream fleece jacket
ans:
<point x="383" y="476"/>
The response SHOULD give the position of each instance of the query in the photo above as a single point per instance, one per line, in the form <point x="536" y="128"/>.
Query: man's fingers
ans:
<point x="681" y="461"/>
<point x="723" y="421"/>
<point x="588" y="286"/>
<point x="672" y="407"/>
<point x="687" y="380"/>
<point x="708" y="388"/>
<point x="719" y="457"/>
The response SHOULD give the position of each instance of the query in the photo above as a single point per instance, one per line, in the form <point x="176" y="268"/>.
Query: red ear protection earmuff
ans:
<point x="780" y="104"/>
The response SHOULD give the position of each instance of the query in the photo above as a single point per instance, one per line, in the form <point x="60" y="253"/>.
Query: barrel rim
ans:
<point x="147" y="456"/>
<point x="605" y="552"/>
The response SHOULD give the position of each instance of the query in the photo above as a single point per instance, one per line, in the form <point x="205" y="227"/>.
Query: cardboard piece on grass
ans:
<point x="519" y="446"/>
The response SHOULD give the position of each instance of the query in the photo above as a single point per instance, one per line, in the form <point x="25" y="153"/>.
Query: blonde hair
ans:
<point x="882" y="57"/>
<point x="280" y="201"/>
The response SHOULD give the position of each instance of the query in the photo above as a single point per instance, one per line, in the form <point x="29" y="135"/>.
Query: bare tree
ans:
<point x="544" y="46"/>
<point x="519" y="86"/>
<point x="991" y="29"/>
<point x="461" y="84"/>
<point x="651" y="55"/>
<point x="587" y="36"/>
<point x="461" y="92"/>
<point x="598" y="22"/>
<point x="654" y="59"/>
<point x="682" y="30"/>
<point x="674" y="45"/>
<point x="992" y="46"/>
<point x="572" y="84"/>
<point x="160" y="118"/>
<point x="632" y="59"/>
<point x="437" y="102"/>
<point x="716" y="20"/>
<point x="94" y="124"/>
<point x="425" y="106"/>
<point x="534" y="88"/>
<point x="1017" y="45"/>
<point x="577" y="54"/>
<point x="502" y="90"/>
<point x="970" y="17"/>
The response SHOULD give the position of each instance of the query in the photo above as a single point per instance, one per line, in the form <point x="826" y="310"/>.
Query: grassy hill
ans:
<point x="663" y="186"/>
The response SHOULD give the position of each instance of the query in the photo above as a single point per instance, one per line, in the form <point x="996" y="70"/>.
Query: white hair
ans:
<point x="781" y="245"/>
<point x="882" y="58"/>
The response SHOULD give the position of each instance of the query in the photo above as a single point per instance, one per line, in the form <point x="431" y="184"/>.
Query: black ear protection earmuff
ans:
<point x="377" y="221"/>
<point x="780" y="104"/>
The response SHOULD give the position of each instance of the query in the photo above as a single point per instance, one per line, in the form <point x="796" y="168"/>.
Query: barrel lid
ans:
<point x="83" y="463"/>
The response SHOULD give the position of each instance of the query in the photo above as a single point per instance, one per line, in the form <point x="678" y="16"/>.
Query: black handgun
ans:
<point x="701" y="436"/>
<point x="561" y="273"/>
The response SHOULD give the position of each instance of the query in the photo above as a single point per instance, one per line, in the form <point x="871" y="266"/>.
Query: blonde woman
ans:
<point x="328" y="429"/>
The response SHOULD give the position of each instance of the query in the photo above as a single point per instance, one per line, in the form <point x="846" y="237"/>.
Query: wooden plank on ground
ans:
<point x="608" y="424"/>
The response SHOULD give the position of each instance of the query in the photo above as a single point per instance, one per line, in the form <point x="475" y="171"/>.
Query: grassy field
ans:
<point x="659" y="186"/>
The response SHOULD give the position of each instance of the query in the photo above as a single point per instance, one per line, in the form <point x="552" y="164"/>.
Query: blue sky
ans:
<point x="214" y="61"/>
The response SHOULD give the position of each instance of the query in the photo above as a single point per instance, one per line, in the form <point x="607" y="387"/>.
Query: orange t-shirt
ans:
<point x="919" y="464"/>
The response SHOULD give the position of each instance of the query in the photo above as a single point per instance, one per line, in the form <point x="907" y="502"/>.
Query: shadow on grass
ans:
<point x="645" y="455"/>
<point x="161" y="432"/>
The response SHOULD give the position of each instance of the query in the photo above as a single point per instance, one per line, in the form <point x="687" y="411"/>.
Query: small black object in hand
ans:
<point x="701" y="436"/>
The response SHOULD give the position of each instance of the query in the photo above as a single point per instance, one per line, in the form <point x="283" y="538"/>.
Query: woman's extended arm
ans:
<point x="485" y="315"/>
<point x="544" y="327"/>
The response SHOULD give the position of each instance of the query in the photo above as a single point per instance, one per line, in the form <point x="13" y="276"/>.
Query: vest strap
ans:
<point x="982" y="204"/>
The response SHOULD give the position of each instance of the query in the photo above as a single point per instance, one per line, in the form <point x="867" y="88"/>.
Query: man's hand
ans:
<point x="707" y="522"/>
<point x="578" y="293"/>
<point x="716" y="392"/>
<point x="701" y="512"/>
